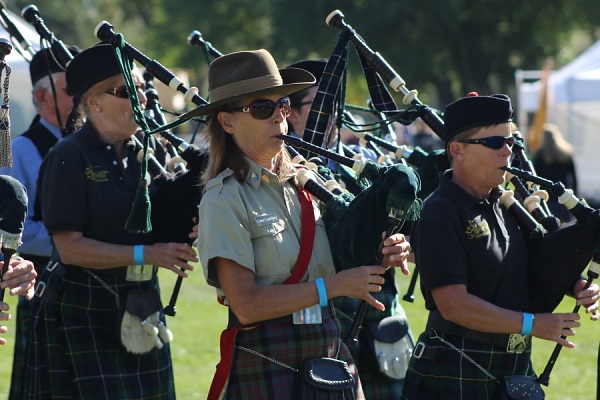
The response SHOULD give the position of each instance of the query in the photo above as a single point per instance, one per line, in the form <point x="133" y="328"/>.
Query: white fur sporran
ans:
<point x="139" y="327"/>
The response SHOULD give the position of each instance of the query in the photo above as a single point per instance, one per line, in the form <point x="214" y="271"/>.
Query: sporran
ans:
<point x="139" y="328"/>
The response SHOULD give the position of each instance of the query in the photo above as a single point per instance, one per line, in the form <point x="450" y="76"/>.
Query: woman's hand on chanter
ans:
<point x="173" y="256"/>
<point x="396" y="250"/>
<point x="556" y="327"/>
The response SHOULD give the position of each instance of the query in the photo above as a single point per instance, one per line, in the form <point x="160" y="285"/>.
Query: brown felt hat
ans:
<point x="244" y="74"/>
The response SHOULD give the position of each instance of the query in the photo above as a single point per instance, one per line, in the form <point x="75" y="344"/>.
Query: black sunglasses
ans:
<point x="263" y="109"/>
<point x="121" y="91"/>
<point x="493" y="142"/>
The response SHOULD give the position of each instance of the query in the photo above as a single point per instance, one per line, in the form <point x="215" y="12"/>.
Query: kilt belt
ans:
<point x="511" y="343"/>
<point x="326" y="312"/>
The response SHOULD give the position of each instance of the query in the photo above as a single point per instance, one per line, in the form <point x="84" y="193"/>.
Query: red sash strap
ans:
<point x="227" y="343"/>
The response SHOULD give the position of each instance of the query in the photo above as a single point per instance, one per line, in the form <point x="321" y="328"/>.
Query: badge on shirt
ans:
<point x="253" y="177"/>
<point x="267" y="219"/>
<point x="477" y="228"/>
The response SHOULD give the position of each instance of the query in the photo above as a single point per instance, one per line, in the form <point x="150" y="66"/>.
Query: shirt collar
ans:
<point x="53" y="129"/>
<point x="451" y="189"/>
<point x="257" y="173"/>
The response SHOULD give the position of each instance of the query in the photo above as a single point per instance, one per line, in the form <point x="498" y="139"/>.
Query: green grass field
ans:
<point x="200" y="319"/>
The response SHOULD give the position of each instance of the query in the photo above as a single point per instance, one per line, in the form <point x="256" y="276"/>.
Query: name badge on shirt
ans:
<point x="267" y="219"/>
<point x="310" y="315"/>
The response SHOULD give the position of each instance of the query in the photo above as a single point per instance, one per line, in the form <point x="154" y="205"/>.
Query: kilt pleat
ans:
<point x="73" y="350"/>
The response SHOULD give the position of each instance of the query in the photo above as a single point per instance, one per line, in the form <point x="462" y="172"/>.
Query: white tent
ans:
<point x="21" y="109"/>
<point x="574" y="106"/>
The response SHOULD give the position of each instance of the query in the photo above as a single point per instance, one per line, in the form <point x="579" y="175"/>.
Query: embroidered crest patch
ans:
<point x="477" y="228"/>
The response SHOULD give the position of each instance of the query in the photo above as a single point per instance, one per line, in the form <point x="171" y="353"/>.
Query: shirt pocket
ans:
<point x="272" y="249"/>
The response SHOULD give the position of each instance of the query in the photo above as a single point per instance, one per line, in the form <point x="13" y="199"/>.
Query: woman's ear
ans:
<point x="225" y="121"/>
<point x="92" y="102"/>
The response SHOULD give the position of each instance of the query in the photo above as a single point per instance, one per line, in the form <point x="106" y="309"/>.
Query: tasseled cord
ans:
<point x="139" y="218"/>
<point x="5" y="143"/>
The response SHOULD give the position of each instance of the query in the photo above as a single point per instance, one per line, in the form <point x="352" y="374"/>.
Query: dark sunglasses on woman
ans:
<point x="493" y="142"/>
<point x="263" y="109"/>
<point x="121" y="91"/>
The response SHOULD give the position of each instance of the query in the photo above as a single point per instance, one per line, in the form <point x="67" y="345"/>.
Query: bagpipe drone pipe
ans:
<point x="427" y="164"/>
<point x="59" y="51"/>
<point x="22" y="45"/>
<point x="583" y="235"/>
<point x="193" y="155"/>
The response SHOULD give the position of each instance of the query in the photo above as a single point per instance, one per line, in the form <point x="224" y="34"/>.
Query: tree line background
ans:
<point x="444" y="49"/>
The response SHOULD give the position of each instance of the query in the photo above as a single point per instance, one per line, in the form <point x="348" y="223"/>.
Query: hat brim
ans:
<point x="294" y="80"/>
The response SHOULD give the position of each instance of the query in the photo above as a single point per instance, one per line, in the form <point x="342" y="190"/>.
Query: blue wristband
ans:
<point x="322" y="292"/>
<point x="527" y="324"/>
<point x="138" y="254"/>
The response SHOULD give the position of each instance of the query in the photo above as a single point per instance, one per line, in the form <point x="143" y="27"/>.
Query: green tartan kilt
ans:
<point x="254" y="377"/>
<point x="73" y="351"/>
<point x="452" y="376"/>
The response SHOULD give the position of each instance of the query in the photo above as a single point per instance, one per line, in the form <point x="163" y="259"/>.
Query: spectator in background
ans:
<point x="424" y="137"/>
<point x="554" y="161"/>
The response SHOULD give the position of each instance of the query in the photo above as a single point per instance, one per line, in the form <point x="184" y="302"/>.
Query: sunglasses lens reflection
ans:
<point x="264" y="109"/>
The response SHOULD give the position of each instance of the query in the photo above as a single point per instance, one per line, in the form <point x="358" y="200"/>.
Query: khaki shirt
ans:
<point x="257" y="225"/>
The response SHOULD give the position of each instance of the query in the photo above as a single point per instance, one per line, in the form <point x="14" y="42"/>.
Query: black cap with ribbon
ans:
<point x="475" y="111"/>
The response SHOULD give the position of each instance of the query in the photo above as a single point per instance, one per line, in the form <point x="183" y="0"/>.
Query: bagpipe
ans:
<point x="180" y="189"/>
<point x="554" y="269"/>
<point x="558" y="254"/>
<point x="61" y="53"/>
<point x="104" y="31"/>
<point x="387" y="199"/>
<point x="178" y="185"/>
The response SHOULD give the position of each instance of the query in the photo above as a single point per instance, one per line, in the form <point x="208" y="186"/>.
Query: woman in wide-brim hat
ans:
<point x="249" y="240"/>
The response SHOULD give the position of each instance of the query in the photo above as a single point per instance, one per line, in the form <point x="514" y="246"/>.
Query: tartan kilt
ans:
<point x="452" y="376"/>
<point x="73" y="352"/>
<point x="22" y="323"/>
<point x="254" y="377"/>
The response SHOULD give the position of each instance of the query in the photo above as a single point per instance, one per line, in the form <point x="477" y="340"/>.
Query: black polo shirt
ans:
<point x="86" y="188"/>
<point x="460" y="239"/>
